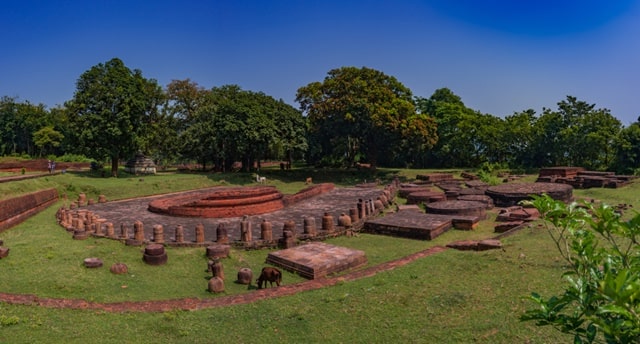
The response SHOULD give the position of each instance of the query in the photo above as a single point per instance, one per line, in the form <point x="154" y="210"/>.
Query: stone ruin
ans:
<point x="317" y="260"/>
<point x="580" y="178"/>
<point x="140" y="164"/>
<point x="82" y="221"/>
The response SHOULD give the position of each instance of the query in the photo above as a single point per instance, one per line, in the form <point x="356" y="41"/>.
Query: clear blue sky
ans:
<point x="501" y="57"/>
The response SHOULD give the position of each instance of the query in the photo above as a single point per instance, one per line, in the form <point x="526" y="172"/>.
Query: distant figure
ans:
<point x="309" y="181"/>
<point x="49" y="166"/>
<point x="53" y="166"/>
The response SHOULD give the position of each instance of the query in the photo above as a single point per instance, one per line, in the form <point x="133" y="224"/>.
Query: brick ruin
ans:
<point x="83" y="223"/>
<point x="580" y="178"/>
<point x="15" y="210"/>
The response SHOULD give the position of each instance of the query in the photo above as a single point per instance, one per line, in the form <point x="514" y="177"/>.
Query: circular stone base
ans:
<point x="425" y="197"/>
<point x="464" y="208"/>
<point x="221" y="202"/>
<point x="488" y="201"/>
<point x="92" y="262"/>
<point x="507" y="195"/>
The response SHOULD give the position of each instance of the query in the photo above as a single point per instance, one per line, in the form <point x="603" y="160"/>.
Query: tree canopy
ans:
<point x="357" y="114"/>
<point x="111" y="110"/>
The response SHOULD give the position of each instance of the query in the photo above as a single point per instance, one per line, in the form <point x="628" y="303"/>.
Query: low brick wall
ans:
<point x="18" y="209"/>
<point x="307" y="193"/>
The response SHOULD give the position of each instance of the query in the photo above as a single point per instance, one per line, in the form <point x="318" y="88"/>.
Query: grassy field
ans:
<point x="451" y="297"/>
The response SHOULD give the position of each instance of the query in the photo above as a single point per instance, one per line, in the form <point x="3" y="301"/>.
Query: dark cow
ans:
<point x="270" y="275"/>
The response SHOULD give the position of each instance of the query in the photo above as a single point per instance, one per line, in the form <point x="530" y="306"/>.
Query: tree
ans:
<point x="602" y="296"/>
<point x="236" y="125"/>
<point x="46" y="139"/>
<point x="360" y="114"/>
<point x="518" y="138"/>
<point x="577" y="134"/>
<point x="109" y="110"/>
<point x="18" y="120"/>
<point x="466" y="138"/>
<point x="627" y="147"/>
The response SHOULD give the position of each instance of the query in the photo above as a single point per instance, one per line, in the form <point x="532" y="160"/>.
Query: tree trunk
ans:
<point x="114" y="166"/>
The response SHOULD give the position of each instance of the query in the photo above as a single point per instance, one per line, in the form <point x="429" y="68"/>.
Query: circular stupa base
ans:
<point x="507" y="195"/>
<point x="463" y="208"/>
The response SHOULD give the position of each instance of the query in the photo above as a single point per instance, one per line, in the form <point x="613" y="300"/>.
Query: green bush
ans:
<point x="602" y="296"/>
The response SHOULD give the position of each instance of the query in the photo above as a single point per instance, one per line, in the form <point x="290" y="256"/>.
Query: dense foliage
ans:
<point x="355" y="115"/>
<point x="602" y="296"/>
<point x="361" y="114"/>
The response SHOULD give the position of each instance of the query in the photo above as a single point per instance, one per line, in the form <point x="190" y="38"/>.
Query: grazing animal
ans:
<point x="270" y="275"/>
<point x="261" y="180"/>
<point x="309" y="181"/>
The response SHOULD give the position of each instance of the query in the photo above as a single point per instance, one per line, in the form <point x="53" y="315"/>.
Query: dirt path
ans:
<point x="196" y="303"/>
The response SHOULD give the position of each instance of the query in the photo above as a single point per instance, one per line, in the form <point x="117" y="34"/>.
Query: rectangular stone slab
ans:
<point x="409" y="224"/>
<point x="317" y="259"/>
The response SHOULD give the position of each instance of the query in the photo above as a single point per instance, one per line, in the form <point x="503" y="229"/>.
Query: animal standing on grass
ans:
<point x="261" y="180"/>
<point x="308" y="181"/>
<point x="270" y="275"/>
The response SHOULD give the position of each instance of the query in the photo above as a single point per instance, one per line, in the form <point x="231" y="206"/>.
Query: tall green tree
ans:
<point x="360" y="114"/>
<point x="18" y="121"/>
<point x="577" y="134"/>
<point x="109" y="112"/>
<point x="237" y="125"/>
<point x="47" y="139"/>
<point x="462" y="140"/>
<point x="517" y="137"/>
<point x="627" y="148"/>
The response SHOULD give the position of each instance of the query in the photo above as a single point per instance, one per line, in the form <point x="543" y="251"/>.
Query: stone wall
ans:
<point x="18" y="209"/>
<point x="307" y="193"/>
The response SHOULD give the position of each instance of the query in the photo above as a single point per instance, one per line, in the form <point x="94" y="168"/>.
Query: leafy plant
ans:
<point x="602" y="298"/>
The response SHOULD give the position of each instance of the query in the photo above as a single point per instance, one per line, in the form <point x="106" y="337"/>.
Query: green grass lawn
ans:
<point x="450" y="297"/>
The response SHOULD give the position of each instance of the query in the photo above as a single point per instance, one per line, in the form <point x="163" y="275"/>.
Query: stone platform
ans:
<point x="317" y="259"/>
<point x="507" y="195"/>
<point x="413" y="224"/>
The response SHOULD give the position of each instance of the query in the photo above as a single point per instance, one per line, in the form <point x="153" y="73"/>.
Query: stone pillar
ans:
<point x="82" y="198"/>
<point x="384" y="200"/>
<point x="344" y="220"/>
<point x="138" y="231"/>
<point x="266" y="232"/>
<point x="353" y="214"/>
<point x="289" y="226"/>
<point x="309" y="226"/>
<point x="361" y="210"/>
<point x="179" y="234"/>
<point x="99" y="227"/>
<point x="124" y="231"/>
<point x="111" y="233"/>
<point x="245" y="276"/>
<point x="216" y="268"/>
<point x="245" y="229"/>
<point x="158" y="234"/>
<point x="377" y="204"/>
<point x="327" y="223"/>
<point x="199" y="233"/>
<point x="288" y="239"/>
<point x="221" y="234"/>
<point x="81" y="225"/>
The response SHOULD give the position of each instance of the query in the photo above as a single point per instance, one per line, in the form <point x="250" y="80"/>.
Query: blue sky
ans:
<point x="500" y="56"/>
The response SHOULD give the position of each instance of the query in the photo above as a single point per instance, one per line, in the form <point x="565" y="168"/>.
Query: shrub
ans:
<point x="602" y="296"/>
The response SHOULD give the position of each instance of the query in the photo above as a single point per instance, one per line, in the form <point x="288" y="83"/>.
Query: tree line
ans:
<point x="355" y="115"/>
